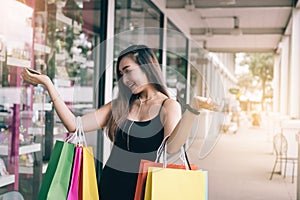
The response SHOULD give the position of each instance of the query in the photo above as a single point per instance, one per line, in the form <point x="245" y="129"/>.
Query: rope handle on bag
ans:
<point x="162" y="150"/>
<point x="78" y="136"/>
<point x="73" y="136"/>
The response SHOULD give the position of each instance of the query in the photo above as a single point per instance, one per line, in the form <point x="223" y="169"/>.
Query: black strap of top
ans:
<point x="162" y="104"/>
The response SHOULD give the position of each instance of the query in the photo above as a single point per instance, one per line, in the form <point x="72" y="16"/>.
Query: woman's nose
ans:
<point x="125" y="79"/>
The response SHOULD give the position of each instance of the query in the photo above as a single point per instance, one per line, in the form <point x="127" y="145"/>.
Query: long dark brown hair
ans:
<point x="146" y="59"/>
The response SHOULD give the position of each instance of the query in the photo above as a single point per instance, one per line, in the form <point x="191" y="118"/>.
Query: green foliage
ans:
<point x="69" y="40"/>
<point x="247" y="82"/>
<point x="260" y="65"/>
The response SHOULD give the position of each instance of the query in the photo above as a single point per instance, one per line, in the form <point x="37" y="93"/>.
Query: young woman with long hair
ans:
<point x="136" y="121"/>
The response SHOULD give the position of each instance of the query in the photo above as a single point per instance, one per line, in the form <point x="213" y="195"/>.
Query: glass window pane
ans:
<point x="136" y="22"/>
<point x="176" y="70"/>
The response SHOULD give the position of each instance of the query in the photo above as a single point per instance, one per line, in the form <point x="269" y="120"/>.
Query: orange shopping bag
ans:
<point x="145" y="164"/>
<point x="143" y="171"/>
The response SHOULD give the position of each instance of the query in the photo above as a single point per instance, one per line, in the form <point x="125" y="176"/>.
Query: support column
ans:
<point x="298" y="167"/>
<point x="294" y="106"/>
<point x="209" y="78"/>
<point x="276" y="81"/>
<point x="13" y="147"/>
<point x="188" y="71"/>
<point x="164" y="48"/>
<point x="284" y="75"/>
<point x="109" y="67"/>
<point x="211" y="70"/>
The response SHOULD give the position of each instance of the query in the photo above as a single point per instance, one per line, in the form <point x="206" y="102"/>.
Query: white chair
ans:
<point x="280" y="146"/>
<point x="12" y="195"/>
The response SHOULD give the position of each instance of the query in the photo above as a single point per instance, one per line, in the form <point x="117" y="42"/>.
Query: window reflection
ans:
<point x="176" y="69"/>
<point x="136" y="22"/>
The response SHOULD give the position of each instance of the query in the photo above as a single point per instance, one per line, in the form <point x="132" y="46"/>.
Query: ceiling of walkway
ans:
<point x="234" y="25"/>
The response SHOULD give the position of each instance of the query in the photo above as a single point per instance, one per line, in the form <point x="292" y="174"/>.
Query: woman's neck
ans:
<point x="148" y="95"/>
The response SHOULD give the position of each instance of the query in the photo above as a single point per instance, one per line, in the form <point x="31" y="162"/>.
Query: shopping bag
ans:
<point x="141" y="180"/>
<point x="56" y="181"/>
<point x="143" y="171"/>
<point x="74" y="184"/>
<point x="176" y="184"/>
<point x="89" y="187"/>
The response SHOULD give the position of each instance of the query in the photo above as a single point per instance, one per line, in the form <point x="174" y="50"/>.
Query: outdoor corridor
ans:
<point x="240" y="165"/>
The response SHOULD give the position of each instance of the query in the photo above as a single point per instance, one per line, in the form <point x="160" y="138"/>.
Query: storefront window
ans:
<point x="72" y="34"/>
<point x="57" y="38"/>
<point x="137" y="22"/>
<point x="176" y="70"/>
<point x="199" y="66"/>
<point x="16" y="38"/>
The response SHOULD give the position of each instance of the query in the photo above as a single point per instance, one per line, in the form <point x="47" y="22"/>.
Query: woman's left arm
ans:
<point x="181" y="126"/>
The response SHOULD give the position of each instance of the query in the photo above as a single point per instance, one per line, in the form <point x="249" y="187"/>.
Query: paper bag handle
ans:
<point x="78" y="137"/>
<point x="162" y="150"/>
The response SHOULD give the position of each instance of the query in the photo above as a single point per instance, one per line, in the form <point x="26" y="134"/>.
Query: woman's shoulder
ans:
<point x="170" y="110"/>
<point x="169" y="101"/>
<point x="171" y="104"/>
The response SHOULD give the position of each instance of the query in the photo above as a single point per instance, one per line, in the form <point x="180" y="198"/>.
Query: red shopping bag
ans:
<point x="74" y="185"/>
<point x="143" y="171"/>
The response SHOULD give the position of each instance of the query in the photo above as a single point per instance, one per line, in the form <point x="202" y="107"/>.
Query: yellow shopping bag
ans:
<point x="89" y="187"/>
<point x="175" y="184"/>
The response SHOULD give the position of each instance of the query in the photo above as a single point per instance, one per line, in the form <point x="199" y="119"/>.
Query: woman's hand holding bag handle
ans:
<point x="78" y="136"/>
<point x="162" y="150"/>
<point x="145" y="164"/>
<point x="85" y="187"/>
<point x="173" y="181"/>
<point x="78" y="139"/>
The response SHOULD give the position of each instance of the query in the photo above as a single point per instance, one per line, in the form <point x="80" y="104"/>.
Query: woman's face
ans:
<point x="132" y="75"/>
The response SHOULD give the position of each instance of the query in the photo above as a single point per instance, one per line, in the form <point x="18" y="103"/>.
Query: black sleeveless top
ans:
<point x="119" y="176"/>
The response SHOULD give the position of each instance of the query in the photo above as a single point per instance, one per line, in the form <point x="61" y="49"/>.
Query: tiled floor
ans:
<point x="240" y="166"/>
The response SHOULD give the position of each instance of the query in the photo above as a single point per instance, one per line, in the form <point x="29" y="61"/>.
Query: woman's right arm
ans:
<point x="91" y="121"/>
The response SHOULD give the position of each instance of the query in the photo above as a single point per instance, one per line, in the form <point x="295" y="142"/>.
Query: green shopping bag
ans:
<point x="56" y="181"/>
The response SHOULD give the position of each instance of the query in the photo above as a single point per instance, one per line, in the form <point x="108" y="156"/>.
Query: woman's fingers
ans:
<point x="30" y="77"/>
<point x="216" y="107"/>
<point x="206" y="103"/>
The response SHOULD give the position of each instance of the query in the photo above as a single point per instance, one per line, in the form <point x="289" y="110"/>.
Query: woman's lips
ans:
<point x="131" y="86"/>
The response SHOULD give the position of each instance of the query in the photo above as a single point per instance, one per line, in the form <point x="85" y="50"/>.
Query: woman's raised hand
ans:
<point x="34" y="77"/>
<point x="199" y="103"/>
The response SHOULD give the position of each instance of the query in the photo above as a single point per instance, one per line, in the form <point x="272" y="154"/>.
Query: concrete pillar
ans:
<point x="284" y="75"/>
<point x="208" y="78"/>
<point x="213" y="81"/>
<point x="164" y="48"/>
<point x="188" y="78"/>
<point x="107" y="145"/>
<point x="204" y="82"/>
<point x="294" y="105"/>
<point x="276" y="81"/>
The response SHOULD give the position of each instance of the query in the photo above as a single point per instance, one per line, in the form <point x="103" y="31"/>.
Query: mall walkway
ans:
<point x="240" y="165"/>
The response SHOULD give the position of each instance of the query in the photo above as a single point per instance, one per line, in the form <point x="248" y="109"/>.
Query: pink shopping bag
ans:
<point x="75" y="179"/>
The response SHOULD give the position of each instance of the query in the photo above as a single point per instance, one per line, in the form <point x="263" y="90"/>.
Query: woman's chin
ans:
<point x="135" y="90"/>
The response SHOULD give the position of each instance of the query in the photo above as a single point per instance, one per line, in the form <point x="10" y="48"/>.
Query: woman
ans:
<point x="137" y="121"/>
